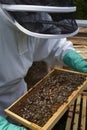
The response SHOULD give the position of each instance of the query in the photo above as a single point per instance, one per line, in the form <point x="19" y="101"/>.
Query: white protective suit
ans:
<point x="17" y="53"/>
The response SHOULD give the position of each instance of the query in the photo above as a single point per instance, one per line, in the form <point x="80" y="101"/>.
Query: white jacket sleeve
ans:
<point x="52" y="51"/>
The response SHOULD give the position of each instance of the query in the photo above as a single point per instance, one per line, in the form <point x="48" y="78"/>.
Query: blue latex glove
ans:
<point x="5" y="125"/>
<point x="73" y="60"/>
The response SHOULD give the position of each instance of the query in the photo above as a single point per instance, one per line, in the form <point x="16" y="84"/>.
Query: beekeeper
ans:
<point x="32" y="31"/>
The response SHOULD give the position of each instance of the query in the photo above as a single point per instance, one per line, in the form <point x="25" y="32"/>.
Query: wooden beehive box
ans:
<point x="77" y="113"/>
<point x="44" y="104"/>
<point x="82" y="50"/>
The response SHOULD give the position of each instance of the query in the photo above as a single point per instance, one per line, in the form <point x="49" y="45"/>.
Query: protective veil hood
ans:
<point x="41" y="18"/>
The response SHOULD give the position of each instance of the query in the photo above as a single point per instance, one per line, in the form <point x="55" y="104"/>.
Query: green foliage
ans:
<point x="81" y="12"/>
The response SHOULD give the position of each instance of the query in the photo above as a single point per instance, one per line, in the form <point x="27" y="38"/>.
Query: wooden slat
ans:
<point x="82" y="50"/>
<point x="77" y="118"/>
<point x="84" y="92"/>
<point x="70" y="117"/>
<point x="77" y="113"/>
<point x="83" y="117"/>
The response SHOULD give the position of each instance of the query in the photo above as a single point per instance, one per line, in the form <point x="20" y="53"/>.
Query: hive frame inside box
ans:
<point x="57" y="115"/>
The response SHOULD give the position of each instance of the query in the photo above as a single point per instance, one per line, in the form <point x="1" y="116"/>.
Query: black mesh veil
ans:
<point x="52" y="18"/>
<point x="40" y="2"/>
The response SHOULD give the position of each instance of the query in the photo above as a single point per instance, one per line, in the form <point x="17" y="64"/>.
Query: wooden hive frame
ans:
<point x="77" y="113"/>
<point x="57" y="115"/>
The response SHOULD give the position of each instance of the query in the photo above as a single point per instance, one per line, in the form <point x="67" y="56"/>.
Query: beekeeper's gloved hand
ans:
<point x="75" y="61"/>
<point x="5" y="125"/>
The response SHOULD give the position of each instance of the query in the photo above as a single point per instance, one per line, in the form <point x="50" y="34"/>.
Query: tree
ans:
<point x="81" y="12"/>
